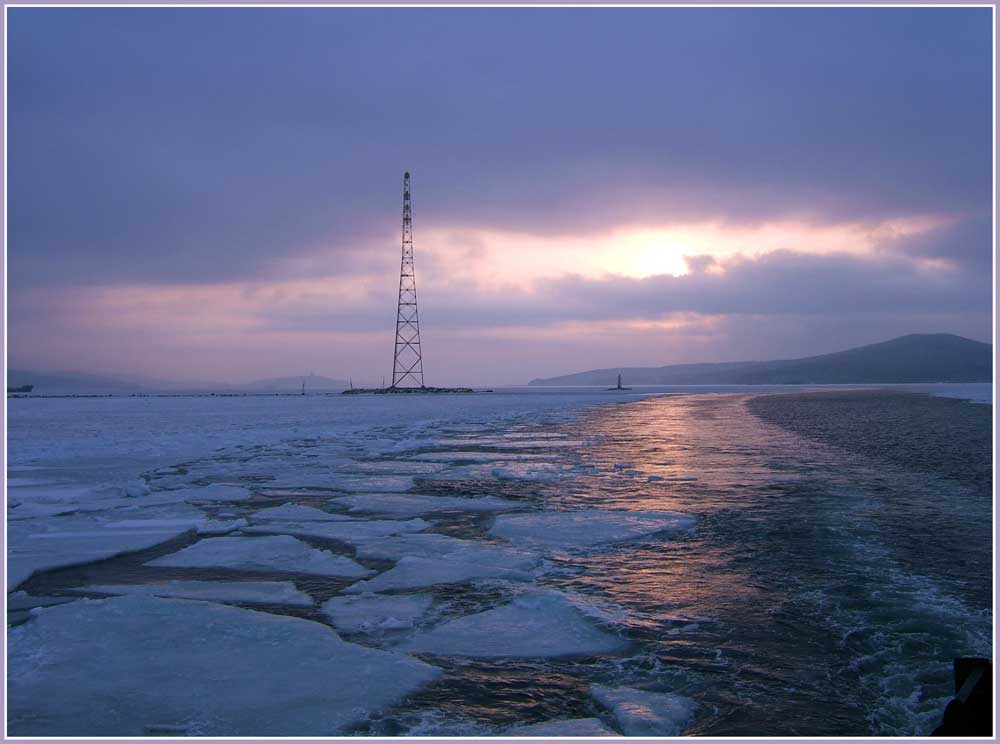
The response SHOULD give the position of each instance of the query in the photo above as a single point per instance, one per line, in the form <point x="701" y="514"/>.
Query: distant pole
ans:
<point x="407" y="363"/>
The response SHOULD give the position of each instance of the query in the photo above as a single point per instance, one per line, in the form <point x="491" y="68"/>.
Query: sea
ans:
<point x="715" y="561"/>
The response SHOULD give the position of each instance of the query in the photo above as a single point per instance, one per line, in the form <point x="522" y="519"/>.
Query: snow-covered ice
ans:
<point x="408" y="505"/>
<point x="274" y="553"/>
<point x="534" y="625"/>
<point x="584" y="527"/>
<point x="131" y="666"/>
<point x="642" y="713"/>
<point x="296" y="513"/>
<point x="375" y="612"/>
<point x="567" y="727"/>
<point x="244" y="592"/>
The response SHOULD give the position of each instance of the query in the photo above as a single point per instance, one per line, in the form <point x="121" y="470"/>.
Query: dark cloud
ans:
<point x="967" y="243"/>
<point x="778" y="283"/>
<point x="203" y="144"/>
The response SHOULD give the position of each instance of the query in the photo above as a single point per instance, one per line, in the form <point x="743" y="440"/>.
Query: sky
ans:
<point x="203" y="194"/>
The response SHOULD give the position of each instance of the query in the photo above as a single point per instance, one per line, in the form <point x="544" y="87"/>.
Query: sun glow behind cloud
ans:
<point x="535" y="292"/>
<point x="517" y="259"/>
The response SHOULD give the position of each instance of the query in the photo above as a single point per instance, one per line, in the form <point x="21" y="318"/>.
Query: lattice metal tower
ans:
<point x="407" y="364"/>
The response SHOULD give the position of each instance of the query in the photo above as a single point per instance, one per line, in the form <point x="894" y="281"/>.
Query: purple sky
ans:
<point x="210" y="194"/>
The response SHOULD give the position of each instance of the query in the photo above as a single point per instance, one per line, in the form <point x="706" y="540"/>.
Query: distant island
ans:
<point x="918" y="357"/>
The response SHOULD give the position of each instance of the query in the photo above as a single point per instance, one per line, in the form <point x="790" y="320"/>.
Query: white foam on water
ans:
<point x="245" y="592"/>
<point x="585" y="527"/>
<point x="275" y="553"/>
<point x="642" y="713"/>
<point x="84" y="669"/>
<point x="539" y="624"/>
<point x="413" y="504"/>
<point x="369" y="613"/>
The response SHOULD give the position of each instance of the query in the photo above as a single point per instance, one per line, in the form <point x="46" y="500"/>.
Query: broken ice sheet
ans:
<point x="406" y="505"/>
<point x="341" y="531"/>
<point x="412" y="572"/>
<point x="643" y="713"/>
<point x="205" y="669"/>
<point x="243" y="592"/>
<point x="584" y="527"/>
<point x="371" y="612"/>
<point x="567" y="727"/>
<point x="296" y="513"/>
<point x="534" y="625"/>
<point x="281" y="553"/>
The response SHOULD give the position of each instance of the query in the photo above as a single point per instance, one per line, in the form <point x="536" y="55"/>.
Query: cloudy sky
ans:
<point x="211" y="194"/>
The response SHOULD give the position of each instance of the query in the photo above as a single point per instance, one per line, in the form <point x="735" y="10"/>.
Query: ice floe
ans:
<point x="461" y="456"/>
<point x="642" y="713"/>
<point x="406" y="505"/>
<point x="545" y="472"/>
<point x="398" y="467"/>
<point x="301" y="478"/>
<point x="296" y="513"/>
<point x="342" y="531"/>
<point x="568" y="727"/>
<point x="75" y="540"/>
<point x="25" y="601"/>
<point x="193" y="668"/>
<point x="581" y="528"/>
<point x="213" y="493"/>
<point x="275" y="553"/>
<point x="246" y="592"/>
<point x="534" y="625"/>
<point x="433" y="545"/>
<point x="413" y="572"/>
<point x="380" y="483"/>
<point x="198" y="522"/>
<point x="372" y="612"/>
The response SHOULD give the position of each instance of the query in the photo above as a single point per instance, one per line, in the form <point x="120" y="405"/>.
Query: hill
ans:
<point x="934" y="357"/>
